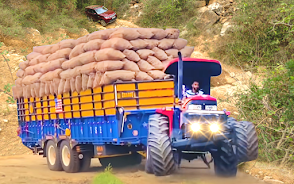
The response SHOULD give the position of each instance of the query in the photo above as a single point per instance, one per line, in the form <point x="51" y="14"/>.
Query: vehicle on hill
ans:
<point x="99" y="13"/>
<point x="121" y="122"/>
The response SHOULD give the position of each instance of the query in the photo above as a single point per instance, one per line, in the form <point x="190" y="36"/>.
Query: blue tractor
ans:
<point x="123" y="122"/>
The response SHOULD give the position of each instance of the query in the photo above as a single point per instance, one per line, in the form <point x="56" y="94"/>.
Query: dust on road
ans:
<point x="33" y="169"/>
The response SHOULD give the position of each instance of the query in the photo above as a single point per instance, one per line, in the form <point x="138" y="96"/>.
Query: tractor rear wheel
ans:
<point x="159" y="144"/>
<point x="149" y="163"/>
<point x="252" y="139"/>
<point x="240" y="139"/>
<point x="122" y="161"/>
<point x="225" y="161"/>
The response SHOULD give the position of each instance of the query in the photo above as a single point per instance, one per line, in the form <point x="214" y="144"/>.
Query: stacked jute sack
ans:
<point x="100" y="58"/>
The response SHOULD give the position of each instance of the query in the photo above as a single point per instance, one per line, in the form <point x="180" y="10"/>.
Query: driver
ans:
<point x="194" y="91"/>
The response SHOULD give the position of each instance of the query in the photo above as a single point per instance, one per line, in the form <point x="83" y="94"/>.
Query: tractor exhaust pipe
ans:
<point x="180" y="76"/>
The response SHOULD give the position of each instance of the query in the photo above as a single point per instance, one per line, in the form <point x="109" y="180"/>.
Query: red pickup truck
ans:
<point x="100" y="14"/>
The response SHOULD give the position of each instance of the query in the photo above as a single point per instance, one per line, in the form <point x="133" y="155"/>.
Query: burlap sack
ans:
<point x="36" y="87"/>
<point x="187" y="51"/>
<point x="52" y="65"/>
<point x="69" y="73"/>
<point x="109" y="54"/>
<point x="69" y="43"/>
<point x="56" y="82"/>
<point x="145" y="33"/>
<point x="29" y="70"/>
<point x="38" y="67"/>
<point x="112" y="76"/>
<point x="144" y="53"/>
<point x="15" y="92"/>
<point x="43" y="58"/>
<point x="131" y="55"/>
<point x="145" y="66"/>
<point x="32" y="55"/>
<point x="130" y="66"/>
<point x="165" y="43"/>
<point x="172" y="33"/>
<point x="72" y="63"/>
<point x="85" y="79"/>
<point x="35" y="60"/>
<point x="55" y="48"/>
<point x="156" y="74"/>
<point x="30" y="79"/>
<point x="151" y="43"/>
<point x="78" y="83"/>
<point x="117" y="44"/>
<point x="51" y="87"/>
<point x="139" y="44"/>
<point x="103" y="34"/>
<point x="77" y="50"/>
<point x="47" y="88"/>
<point x="39" y="49"/>
<point x="42" y="90"/>
<point x="169" y="58"/>
<point x="97" y="79"/>
<point x="32" y="92"/>
<point x="180" y="43"/>
<point x="143" y="76"/>
<point x="20" y="73"/>
<point x="26" y="91"/>
<point x="156" y="63"/>
<point x="82" y="40"/>
<point x="73" y="85"/>
<point x="61" y="86"/>
<point x="126" y="33"/>
<point x="108" y="65"/>
<point x="91" y="80"/>
<point x="23" y="65"/>
<point x="165" y="63"/>
<point x="66" y="86"/>
<point x="63" y="53"/>
<point x="87" y="68"/>
<point x="172" y="52"/>
<point x="18" y="82"/>
<point x="93" y="45"/>
<point x="47" y="49"/>
<point x="160" y="54"/>
<point x="87" y="57"/>
<point x="158" y="33"/>
<point x="49" y="76"/>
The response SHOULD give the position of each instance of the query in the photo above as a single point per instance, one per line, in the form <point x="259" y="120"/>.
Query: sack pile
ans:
<point x="100" y="58"/>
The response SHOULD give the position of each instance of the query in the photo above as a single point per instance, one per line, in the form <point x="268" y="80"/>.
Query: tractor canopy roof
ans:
<point x="195" y="69"/>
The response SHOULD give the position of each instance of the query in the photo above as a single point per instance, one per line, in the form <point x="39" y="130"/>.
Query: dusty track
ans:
<point x="33" y="169"/>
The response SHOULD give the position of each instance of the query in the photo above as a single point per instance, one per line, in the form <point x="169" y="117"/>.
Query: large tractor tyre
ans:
<point x="149" y="163"/>
<point x="252" y="140"/>
<point x="240" y="141"/>
<point x="85" y="162"/>
<point x="225" y="161"/>
<point x="121" y="161"/>
<point x="69" y="158"/>
<point x="53" y="156"/>
<point x="159" y="144"/>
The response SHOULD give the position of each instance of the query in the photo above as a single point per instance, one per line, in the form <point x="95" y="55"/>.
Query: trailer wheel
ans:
<point x="225" y="161"/>
<point x="160" y="146"/>
<point x="85" y="162"/>
<point x="240" y="140"/>
<point x="53" y="156"/>
<point x="122" y="161"/>
<point x="252" y="141"/>
<point x="69" y="158"/>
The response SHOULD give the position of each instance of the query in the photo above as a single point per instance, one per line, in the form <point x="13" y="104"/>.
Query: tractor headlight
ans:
<point x="214" y="127"/>
<point x="195" y="127"/>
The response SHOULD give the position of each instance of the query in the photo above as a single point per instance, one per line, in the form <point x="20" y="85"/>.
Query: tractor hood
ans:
<point x="195" y="69"/>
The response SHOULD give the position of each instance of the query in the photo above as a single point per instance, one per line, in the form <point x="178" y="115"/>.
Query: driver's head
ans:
<point x="195" y="86"/>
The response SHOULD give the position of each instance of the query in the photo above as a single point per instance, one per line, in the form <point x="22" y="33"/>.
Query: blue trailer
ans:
<point x="123" y="122"/>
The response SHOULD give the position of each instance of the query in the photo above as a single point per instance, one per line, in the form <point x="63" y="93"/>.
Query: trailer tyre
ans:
<point x="53" y="156"/>
<point x="149" y="163"/>
<point x="85" y="162"/>
<point x="69" y="158"/>
<point x="159" y="144"/>
<point x="240" y="139"/>
<point x="225" y="161"/>
<point x="252" y="141"/>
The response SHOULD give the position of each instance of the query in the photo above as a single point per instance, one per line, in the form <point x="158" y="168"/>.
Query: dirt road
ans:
<point x="33" y="169"/>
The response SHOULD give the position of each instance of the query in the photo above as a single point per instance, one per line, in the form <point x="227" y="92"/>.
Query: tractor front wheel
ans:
<point x="252" y="139"/>
<point x="159" y="146"/>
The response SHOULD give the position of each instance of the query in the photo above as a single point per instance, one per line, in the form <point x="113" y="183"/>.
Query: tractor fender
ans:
<point x="169" y="113"/>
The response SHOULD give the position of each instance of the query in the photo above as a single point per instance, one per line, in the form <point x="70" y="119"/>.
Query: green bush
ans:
<point x="263" y="34"/>
<point x="271" y="108"/>
<point x="106" y="178"/>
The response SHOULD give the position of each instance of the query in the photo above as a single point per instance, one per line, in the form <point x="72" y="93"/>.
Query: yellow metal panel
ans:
<point x="27" y="118"/>
<point x="87" y="113"/>
<point x="125" y="87"/>
<point x="108" y="96"/>
<point x="156" y="106"/>
<point x="97" y="97"/>
<point x="156" y="93"/>
<point x="108" y="88"/>
<point x="75" y="108"/>
<point x="52" y="107"/>
<point x="156" y="101"/>
<point x="98" y="105"/>
<point x="97" y="90"/>
<point x="45" y="107"/>
<point x="59" y="96"/>
<point x="125" y="103"/>
<point x="38" y="107"/>
<point x="60" y="115"/>
<point x="26" y="100"/>
<point x="87" y="92"/>
<point x="84" y="99"/>
<point x="130" y="108"/>
<point x="109" y="104"/>
<point x="110" y="111"/>
<point x="129" y="94"/>
<point x="51" y="97"/>
<point x="155" y="85"/>
<point x="99" y="113"/>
